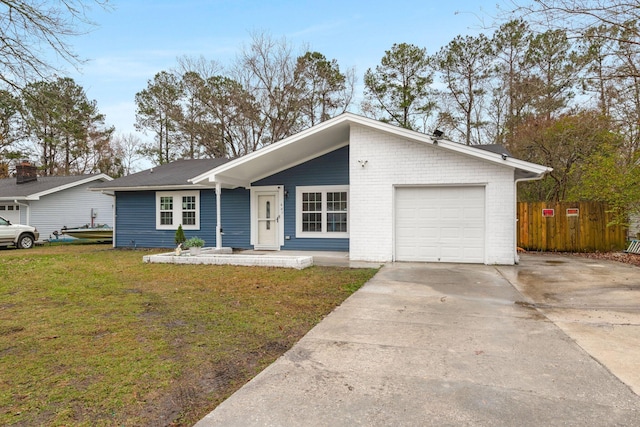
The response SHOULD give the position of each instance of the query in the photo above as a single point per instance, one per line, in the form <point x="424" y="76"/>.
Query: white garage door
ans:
<point x="10" y="212"/>
<point x="440" y="224"/>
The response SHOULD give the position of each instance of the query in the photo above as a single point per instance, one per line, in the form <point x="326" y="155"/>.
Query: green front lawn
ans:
<point x="90" y="335"/>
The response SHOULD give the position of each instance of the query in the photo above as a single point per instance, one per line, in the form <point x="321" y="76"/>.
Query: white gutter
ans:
<point x="151" y="188"/>
<point x="515" y="202"/>
<point x="113" y="218"/>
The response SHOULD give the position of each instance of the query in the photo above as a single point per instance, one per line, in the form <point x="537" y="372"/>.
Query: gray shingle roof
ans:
<point x="494" y="148"/>
<point x="171" y="174"/>
<point x="9" y="188"/>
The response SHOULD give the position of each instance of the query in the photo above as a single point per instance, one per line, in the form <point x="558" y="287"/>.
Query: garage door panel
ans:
<point x="443" y="224"/>
<point x="473" y="212"/>
<point x="449" y="253"/>
<point x="451" y="213"/>
<point x="473" y="232"/>
<point x="450" y="233"/>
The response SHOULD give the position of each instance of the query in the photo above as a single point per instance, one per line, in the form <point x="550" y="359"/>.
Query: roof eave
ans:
<point x="349" y="119"/>
<point x="210" y="175"/>
<point x="102" y="176"/>
<point x="14" y="198"/>
<point x="526" y="175"/>
<point x="152" y="188"/>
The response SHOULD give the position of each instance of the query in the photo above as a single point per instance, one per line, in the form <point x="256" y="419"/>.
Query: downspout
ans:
<point x="113" y="218"/>
<point x="218" y="218"/>
<point x="515" y="202"/>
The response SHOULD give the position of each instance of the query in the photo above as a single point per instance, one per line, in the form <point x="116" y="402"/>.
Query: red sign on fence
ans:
<point x="572" y="211"/>
<point x="548" y="212"/>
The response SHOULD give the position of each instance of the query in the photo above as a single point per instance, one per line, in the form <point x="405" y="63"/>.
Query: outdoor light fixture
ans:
<point x="504" y="156"/>
<point x="363" y="162"/>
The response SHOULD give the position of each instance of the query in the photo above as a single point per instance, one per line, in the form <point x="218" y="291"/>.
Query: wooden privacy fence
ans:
<point x="568" y="227"/>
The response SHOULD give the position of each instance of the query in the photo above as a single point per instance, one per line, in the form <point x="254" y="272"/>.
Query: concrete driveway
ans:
<point x="596" y="303"/>
<point x="448" y="344"/>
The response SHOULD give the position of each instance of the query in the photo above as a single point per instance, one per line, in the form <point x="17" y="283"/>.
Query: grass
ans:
<point x="90" y="335"/>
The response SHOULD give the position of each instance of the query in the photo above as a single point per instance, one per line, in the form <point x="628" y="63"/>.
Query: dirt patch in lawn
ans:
<point x="94" y="336"/>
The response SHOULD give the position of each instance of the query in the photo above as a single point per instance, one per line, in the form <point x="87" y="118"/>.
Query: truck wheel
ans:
<point x="25" y="242"/>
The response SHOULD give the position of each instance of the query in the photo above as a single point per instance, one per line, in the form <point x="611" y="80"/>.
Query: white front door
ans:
<point x="267" y="224"/>
<point x="267" y="221"/>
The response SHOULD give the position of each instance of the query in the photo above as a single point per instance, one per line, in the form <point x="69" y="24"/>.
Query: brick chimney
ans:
<point x="26" y="172"/>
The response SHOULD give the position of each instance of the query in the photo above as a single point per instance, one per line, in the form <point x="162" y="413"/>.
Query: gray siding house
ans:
<point x="52" y="202"/>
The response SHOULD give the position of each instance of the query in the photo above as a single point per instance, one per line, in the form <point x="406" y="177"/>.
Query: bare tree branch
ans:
<point x="30" y="30"/>
<point x="577" y="17"/>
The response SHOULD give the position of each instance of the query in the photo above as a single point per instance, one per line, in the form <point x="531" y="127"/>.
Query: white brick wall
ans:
<point x="393" y="161"/>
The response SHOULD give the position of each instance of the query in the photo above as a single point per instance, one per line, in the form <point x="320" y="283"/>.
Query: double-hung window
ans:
<point x="322" y="211"/>
<point x="188" y="210"/>
<point x="175" y="208"/>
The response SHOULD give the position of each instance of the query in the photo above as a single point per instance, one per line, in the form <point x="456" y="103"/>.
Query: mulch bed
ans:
<point x="623" y="257"/>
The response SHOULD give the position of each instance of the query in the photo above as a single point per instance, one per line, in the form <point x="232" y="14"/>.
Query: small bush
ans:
<point x="180" y="237"/>
<point x="194" y="242"/>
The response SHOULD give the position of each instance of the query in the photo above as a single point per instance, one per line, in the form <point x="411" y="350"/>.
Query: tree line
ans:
<point x="200" y="110"/>
<point x="557" y="83"/>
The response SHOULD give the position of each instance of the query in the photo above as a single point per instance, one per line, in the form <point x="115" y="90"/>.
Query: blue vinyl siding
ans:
<point x="136" y="220"/>
<point x="330" y="169"/>
<point x="236" y="218"/>
<point x="136" y="210"/>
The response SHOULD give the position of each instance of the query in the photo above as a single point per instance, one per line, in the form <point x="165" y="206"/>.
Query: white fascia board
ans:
<point x="101" y="176"/>
<point x="528" y="166"/>
<point x="14" y="198"/>
<point x="495" y="158"/>
<point x="453" y="146"/>
<point x="152" y="188"/>
<point x="217" y="174"/>
<point x="210" y="175"/>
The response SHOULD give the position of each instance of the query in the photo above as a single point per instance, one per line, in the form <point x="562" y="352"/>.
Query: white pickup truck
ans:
<point x="21" y="236"/>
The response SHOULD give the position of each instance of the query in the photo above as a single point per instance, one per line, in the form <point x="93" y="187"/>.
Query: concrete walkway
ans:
<point x="438" y="344"/>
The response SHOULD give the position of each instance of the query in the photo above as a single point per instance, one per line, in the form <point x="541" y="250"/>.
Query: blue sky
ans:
<point x="139" y="38"/>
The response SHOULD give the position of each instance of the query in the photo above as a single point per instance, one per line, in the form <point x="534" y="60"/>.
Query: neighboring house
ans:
<point x="51" y="202"/>
<point x="380" y="192"/>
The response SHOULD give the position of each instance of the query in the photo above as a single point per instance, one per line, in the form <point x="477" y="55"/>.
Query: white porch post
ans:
<point x="218" y="219"/>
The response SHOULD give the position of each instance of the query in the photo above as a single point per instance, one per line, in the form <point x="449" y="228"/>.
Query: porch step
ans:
<point x="297" y="262"/>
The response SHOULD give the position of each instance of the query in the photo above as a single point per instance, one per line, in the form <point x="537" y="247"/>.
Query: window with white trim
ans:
<point x="175" y="208"/>
<point x="322" y="211"/>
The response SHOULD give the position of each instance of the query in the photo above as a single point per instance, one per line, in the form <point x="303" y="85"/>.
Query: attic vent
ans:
<point x="26" y="172"/>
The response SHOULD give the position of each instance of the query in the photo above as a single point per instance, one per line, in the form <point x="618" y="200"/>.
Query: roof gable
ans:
<point x="45" y="185"/>
<point x="333" y="134"/>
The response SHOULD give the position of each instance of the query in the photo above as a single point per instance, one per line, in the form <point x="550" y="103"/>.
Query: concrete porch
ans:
<point x="286" y="259"/>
